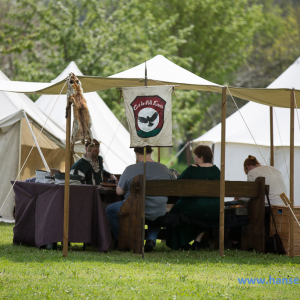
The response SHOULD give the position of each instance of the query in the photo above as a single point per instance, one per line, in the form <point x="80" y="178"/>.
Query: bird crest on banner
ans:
<point x="149" y="115"/>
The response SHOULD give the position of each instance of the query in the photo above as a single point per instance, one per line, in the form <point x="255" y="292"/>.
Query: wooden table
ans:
<point x="108" y="195"/>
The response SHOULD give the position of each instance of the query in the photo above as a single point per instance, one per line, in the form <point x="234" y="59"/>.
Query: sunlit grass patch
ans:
<point x="27" y="272"/>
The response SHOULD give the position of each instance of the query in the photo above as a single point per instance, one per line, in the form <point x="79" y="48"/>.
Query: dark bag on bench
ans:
<point x="274" y="243"/>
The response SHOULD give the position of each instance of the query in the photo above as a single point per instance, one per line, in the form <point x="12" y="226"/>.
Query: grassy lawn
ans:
<point x="31" y="273"/>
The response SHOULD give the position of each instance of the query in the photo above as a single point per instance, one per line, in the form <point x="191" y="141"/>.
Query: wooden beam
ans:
<point x="201" y="188"/>
<point x="222" y="181"/>
<point x="67" y="186"/>
<point x="292" y="173"/>
<point x="271" y="138"/>
<point x="144" y="203"/>
<point x="188" y="155"/>
<point x="20" y="149"/>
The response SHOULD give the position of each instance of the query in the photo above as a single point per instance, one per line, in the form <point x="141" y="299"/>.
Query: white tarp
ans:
<point x="106" y="127"/>
<point x="9" y="143"/>
<point x="161" y="71"/>
<point x="12" y="125"/>
<point x="240" y="144"/>
<point x="149" y="115"/>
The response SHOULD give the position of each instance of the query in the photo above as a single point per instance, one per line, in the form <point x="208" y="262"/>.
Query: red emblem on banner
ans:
<point x="148" y="115"/>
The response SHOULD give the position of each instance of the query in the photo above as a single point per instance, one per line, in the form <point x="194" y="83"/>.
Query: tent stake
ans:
<point x="222" y="181"/>
<point x="271" y="138"/>
<point x="67" y="187"/>
<point x="292" y="173"/>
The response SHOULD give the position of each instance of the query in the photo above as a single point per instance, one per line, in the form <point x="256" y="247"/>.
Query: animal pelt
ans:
<point x="82" y="120"/>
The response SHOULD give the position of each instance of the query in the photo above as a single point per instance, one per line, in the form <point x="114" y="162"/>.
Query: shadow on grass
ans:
<point x="161" y="254"/>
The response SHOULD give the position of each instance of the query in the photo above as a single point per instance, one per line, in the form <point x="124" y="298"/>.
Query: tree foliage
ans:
<point x="276" y="44"/>
<point x="212" y="38"/>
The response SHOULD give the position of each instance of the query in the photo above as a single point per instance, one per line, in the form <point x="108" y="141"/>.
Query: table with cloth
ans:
<point x="40" y="213"/>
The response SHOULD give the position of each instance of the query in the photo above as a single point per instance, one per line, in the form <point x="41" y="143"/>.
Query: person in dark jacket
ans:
<point x="90" y="166"/>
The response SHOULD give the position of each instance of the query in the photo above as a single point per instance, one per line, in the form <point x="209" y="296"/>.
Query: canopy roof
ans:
<point x="105" y="126"/>
<point x="160" y="71"/>
<point x="13" y="105"/>
<point x="257" y="118"/>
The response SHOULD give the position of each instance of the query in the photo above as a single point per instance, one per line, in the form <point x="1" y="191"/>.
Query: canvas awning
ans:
<point x="166" y="72"/>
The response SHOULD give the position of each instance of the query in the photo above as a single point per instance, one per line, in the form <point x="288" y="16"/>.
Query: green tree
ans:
<point x="276" y="44"/>
<point x="211" y="38"/>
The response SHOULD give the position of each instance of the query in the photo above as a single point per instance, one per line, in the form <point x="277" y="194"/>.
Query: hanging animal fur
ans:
<point x="82" y="123"/>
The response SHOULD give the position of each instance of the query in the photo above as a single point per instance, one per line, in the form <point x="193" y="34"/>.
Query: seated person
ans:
<point x="254" y="169"/>
<point x="203" y="208"/>
<point x="155" y="206"/>
<point x="90" y="166"/>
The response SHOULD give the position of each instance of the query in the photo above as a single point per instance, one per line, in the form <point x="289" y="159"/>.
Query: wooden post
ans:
<point x="188" y="155"/>
<point x="271" y="138"/>
<point x="20" y="149"/>
<point x="144" y="202"/>
<point x="158" y="154"/>
<point x="222" y="181"/>
<point x="292" y="173"/>
<point x="67" y="186"/>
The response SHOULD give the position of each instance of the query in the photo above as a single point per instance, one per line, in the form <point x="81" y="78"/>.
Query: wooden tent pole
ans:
<point x="271" y="138"/>
<point x="158" y="154"/>
<point x="222" y="181"/>
<point x="292" y="173"/>
<point x="144" y="202"/>
<point x="67" y="186"/>
<point x="20" y="149"/>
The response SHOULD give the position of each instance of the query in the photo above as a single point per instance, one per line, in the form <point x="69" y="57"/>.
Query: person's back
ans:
<point x="276" y="186"/>
<point x="155" y="206"/>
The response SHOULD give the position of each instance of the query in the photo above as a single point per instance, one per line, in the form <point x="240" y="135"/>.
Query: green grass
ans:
<point x="31" y="273"/>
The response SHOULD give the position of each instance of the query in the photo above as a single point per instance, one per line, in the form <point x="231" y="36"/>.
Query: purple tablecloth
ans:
<point x="40" y="212"/>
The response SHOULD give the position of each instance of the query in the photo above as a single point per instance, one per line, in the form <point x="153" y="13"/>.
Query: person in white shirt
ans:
<point x="274" y="179"/>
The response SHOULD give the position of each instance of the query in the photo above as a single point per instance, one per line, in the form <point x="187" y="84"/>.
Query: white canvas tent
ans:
<point x="16" y="141"/>
<point x="239" y="143"/>
<point x="115" y="139"/>
<point x="277" y="97"/>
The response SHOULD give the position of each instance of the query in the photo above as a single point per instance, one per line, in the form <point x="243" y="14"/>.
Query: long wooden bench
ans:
<point x="131" y="212"/>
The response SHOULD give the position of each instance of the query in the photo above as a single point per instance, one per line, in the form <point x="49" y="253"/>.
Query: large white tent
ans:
<point x="239" y="142"/>
<point x="115" y="139"/>
<point x="16" y="141"/>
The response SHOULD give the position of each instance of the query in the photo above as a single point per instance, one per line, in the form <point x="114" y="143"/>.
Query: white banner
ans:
<point x="149" y="115"/>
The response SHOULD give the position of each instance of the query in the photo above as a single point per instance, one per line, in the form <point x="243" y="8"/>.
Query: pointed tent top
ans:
<point x="106" y="127"/>
<point x="161" y="69"/>
<point x="13" y="106"/>
<point x="257" y="118"/>
<point x="3" y="76"/>
<point x="72" y="67"/>
<point x="289" y="78"/>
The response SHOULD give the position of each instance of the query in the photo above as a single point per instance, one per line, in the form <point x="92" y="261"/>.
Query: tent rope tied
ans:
<point x="177" y="154"/>
<point x="36" y="142"/>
